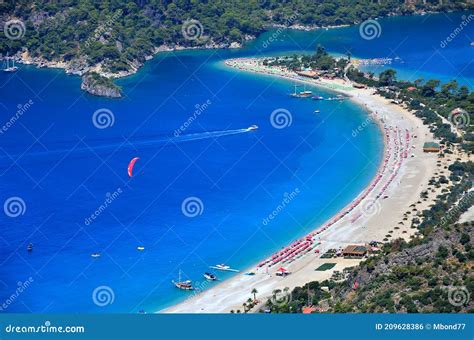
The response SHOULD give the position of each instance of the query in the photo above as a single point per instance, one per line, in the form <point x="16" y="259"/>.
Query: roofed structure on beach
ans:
<point x="431" y="147"/>
<point x="354" y="251"/>
<point x="308" y="73"/>
<point x="308" y="309"/>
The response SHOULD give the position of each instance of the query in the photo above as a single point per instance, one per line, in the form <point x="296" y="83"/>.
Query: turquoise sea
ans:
<point x="186" y="116"/>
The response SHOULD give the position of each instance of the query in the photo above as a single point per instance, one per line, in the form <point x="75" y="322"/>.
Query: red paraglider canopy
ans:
<point x="131" y="165"/>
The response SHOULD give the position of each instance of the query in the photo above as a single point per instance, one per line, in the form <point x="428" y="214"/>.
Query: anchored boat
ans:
<point x="185" y="285"/>
<point x="7" y="67"/>
<point x="210" y="277"/>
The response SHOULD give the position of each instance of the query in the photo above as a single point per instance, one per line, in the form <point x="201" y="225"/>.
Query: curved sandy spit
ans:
<point x="371" y="220"/>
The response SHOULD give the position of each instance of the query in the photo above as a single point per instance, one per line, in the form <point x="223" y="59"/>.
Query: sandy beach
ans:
<point x="383" y="211"/>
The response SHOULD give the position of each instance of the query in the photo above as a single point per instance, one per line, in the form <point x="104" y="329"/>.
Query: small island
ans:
<point x="116" y="42"/>
<point x="98" y="85"/>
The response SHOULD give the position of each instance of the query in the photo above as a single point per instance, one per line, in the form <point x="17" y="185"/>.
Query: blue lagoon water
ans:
<point x="64" y="168"/>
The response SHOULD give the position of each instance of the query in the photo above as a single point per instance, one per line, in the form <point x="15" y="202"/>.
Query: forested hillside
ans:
<point x="117" y="36"/>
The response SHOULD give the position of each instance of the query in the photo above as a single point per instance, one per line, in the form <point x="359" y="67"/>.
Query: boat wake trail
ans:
<point x="130" y="144"/>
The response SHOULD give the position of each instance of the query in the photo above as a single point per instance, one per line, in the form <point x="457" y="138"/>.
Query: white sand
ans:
<point x="377" y="216"/>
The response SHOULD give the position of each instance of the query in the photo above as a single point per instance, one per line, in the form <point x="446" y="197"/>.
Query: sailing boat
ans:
<point x="7" y="67"/>
<point x="186" y="285"/>
<point x="301" y="94"/>
<point x="294" y="94"/>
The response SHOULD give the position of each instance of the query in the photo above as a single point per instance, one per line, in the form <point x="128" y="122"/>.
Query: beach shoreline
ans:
<point x="376" y="213"/>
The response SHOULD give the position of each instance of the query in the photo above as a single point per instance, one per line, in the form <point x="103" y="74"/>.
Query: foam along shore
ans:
<point x="381" y="208"/>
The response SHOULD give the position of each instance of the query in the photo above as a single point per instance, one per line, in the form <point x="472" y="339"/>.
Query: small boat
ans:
<point x="317" y="98"/>
<point x="30" y="247"/>
<point x="305" y="94"/>
<point x="185" y="285"/>
<point x="249" y="273"/>
<point x="140" y="248"/>
<point x="210" y="277"/>
<point x="7" y="67"/>
<point x="224" y="267"/>
<point x="95" y="255"/>
<point x="317" y="111"/>
<point x="301" y="94"/>
<point x="252" y="127"/>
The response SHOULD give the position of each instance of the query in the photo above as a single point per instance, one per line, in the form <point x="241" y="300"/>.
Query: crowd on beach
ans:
<point x="398" y="143"/>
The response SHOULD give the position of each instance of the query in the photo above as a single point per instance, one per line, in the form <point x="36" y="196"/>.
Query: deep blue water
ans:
<point x="62" y="167"/>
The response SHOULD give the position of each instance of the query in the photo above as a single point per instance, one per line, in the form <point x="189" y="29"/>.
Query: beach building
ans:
<point x="354" y="251"/>
<point x="308" y="73"/>
<point x="431" y="147"/>
<point x="308" y="309"/>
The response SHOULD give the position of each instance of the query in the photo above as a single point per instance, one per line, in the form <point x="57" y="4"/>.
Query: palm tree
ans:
<point x="249" y="303"/>
<point x="245" y="307"/>
<point x="254" y="292"/>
